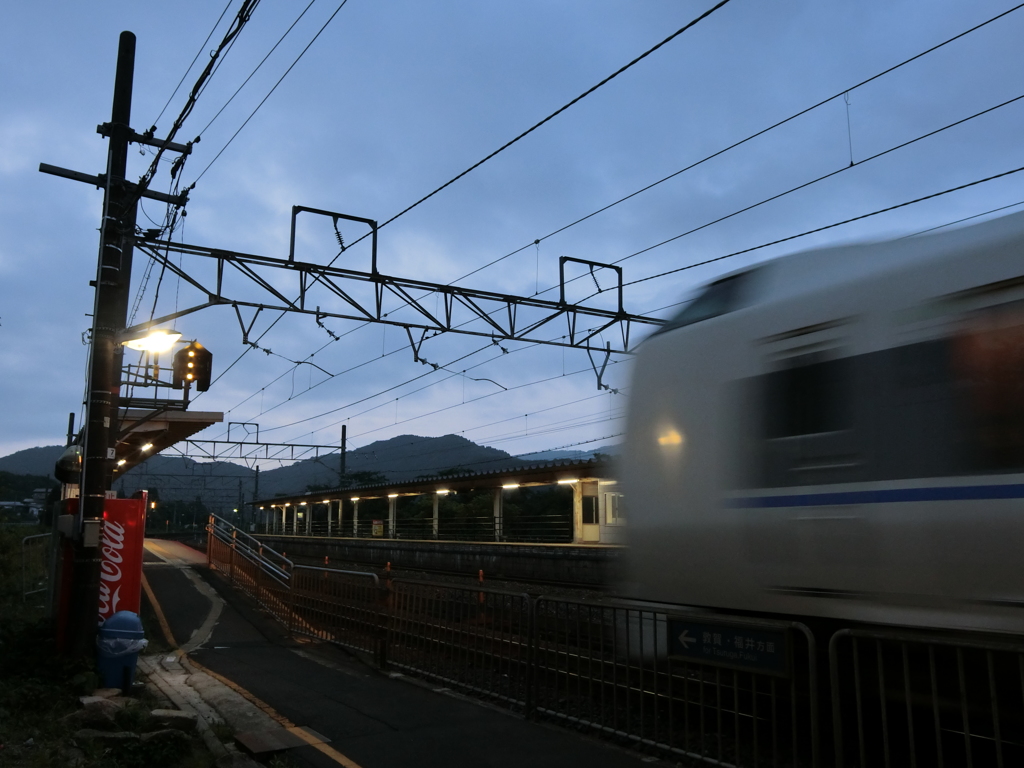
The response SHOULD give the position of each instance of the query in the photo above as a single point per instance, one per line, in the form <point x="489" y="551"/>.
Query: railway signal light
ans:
<point x="193" y="366"/>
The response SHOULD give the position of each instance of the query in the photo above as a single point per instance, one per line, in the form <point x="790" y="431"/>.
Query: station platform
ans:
<point x="324" y="706"/>
<point x="586" y="565"/>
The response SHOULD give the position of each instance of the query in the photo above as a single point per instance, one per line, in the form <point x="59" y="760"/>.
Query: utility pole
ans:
<point x="113" y="276"/>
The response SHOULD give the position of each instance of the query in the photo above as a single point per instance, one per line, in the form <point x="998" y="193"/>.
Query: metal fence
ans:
<point x="474" y="639"/>
<point x="613" y="668"/>
<point x="259" y="571"/>
<point x="35" y="565"/>
<point x="714" y="687"/>
<point x="342" y="607"/>
<point x="638" y="674"/>
<point x="922" y="699"/>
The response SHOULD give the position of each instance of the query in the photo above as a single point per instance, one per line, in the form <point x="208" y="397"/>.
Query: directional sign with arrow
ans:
<point x="750" y="647"/>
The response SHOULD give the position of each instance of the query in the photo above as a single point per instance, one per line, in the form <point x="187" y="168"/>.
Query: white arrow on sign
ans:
<point x="686" y="640"/>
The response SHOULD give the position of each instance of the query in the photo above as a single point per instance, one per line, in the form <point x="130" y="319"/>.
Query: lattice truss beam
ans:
<point x="423" y="308"/>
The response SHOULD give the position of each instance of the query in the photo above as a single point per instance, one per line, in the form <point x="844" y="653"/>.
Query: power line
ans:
<point x="262" y="62"/>
<point x="554" y="114"/>
<point x="194" y="60"/>
<point x="500" y="149"/>
<point x="829" y="226"/>
<point x="797" y="188"/>
<point x="804" y="111"/>
<point x="759" y="133"/>
<point x="804" y="185"/>
<point x="241" y="19"/>
<point x="965" y="218"/>
<point x="263" y="101"/>
<point x="446" y="408"/>
<point x="751" y="137"/>
<point x="765" y="245"/>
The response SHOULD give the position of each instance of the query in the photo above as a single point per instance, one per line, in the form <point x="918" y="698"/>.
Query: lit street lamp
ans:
<point x="156" y="340"/>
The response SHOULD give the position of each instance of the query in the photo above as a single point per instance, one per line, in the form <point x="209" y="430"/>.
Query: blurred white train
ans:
<point x="840" y="434"/>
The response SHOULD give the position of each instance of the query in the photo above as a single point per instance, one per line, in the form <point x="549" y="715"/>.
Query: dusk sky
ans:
<point x="395" y="98"/>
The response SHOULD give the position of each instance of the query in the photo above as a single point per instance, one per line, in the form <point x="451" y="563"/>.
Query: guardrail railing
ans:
<point x="719" y="688"/>
<point x="722" y="689"/>
<point x="926" y="699"/>
<point x="35" y="564"/>
<point x="474" y="639"/>
<point x="708" y="686"/>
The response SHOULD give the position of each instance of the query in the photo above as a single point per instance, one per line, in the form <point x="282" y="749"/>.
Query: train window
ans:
<point x="719" y="298"/>
<point x="988" y="360"/>
<point x="806" y="397"/>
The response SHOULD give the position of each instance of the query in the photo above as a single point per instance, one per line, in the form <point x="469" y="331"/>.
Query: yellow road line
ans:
<point x="332" y="753"/>
<point x="284" y="721"/>
<point x="164" y="626"/>
<point x="250" y="697"/>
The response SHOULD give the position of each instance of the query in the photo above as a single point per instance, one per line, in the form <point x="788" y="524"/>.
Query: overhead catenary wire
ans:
<point x="830" y="226"/>
<point x="765" y="245"/>
<point x="814" y="181"/>
<point x="552" y="116"/>
<point x="769" y="128"/>
<point x="743" y="141"/>
<point x="798" y="236"/>
<point x="440" y="410"/>
<point x="797" y="188"/>
<point x="706" y="158"/>
<point x="965" y="218"/>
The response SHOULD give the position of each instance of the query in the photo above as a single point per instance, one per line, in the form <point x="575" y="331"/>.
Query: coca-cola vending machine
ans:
<point x="124" y="532"/>
<point x="121" y="545"/>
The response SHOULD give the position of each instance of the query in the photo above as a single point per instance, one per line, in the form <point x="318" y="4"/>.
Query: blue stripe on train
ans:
<point x="883" y="496"/>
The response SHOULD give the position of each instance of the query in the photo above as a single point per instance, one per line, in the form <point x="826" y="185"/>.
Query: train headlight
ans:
<point x="670" y="438"/>
<point x="670" y="453"/>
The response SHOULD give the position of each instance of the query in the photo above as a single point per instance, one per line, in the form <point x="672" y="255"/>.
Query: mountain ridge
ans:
<point x="176" y="478"/>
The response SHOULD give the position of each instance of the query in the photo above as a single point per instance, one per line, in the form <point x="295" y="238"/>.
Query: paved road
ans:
<point x="375" y="720"/>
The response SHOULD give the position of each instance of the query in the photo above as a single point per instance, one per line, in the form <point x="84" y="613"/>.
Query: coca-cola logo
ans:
<point x="110" y="568"/>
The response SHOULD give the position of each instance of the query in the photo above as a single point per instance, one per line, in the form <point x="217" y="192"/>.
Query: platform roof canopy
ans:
<point x="542" y="473"/>
<point x="145" y="433"/>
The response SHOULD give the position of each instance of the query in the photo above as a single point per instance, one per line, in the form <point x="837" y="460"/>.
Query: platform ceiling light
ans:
<point x="302" y="504"/>
<point x="147" y="447"/>
<point x="443" y="492"/>
<point x="392" y="495"/>
<point x="156" y="340"/>
<point x="510" y="486"/>
<point x="355" y="498"/>
<point x="568" y="481"/>
<point x="122" y="462"/>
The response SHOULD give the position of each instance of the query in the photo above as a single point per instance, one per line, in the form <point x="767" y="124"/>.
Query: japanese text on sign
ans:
<point x="743" y="647"/>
